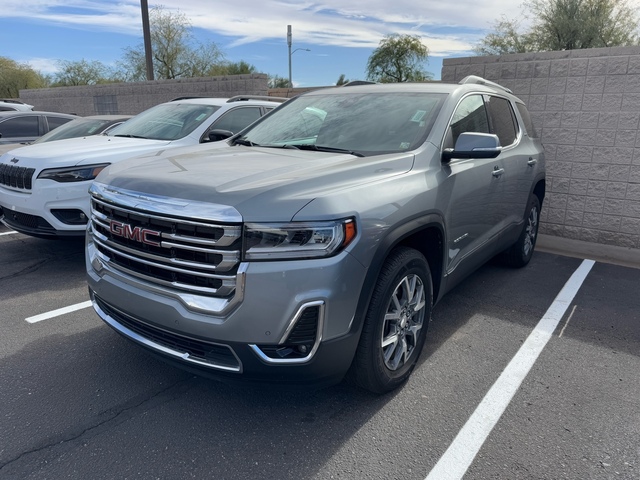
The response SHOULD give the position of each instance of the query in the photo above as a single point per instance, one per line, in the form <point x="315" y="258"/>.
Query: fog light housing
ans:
<point x="70" y="216"/>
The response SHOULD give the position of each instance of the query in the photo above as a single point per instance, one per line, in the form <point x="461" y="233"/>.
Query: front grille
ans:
<point x="16" y="177"/>
<point x="213" y="354"/>
<point x="195" y="256"/>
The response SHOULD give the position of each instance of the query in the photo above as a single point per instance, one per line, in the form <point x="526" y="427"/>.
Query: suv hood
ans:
<point x="248" y="178"/>
<point x="87" y="150"/>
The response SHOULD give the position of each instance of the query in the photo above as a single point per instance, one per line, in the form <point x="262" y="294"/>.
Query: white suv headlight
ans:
<point x="293" y="241"/>
<point x="80" y="173"/>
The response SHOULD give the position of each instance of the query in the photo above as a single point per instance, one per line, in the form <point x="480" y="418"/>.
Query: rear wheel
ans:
<point x="519" y="254"/>
<point x="396" y="322"/>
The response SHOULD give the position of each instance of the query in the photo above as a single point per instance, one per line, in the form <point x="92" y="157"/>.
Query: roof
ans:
<point x="30" y="113"/>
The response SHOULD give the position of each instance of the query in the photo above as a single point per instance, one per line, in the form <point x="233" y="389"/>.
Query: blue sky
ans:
<point x="340" y="34"/>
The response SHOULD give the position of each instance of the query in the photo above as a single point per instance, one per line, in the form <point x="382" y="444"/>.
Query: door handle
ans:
<point x="497" y="171"/>
<point x="532" y="161"/>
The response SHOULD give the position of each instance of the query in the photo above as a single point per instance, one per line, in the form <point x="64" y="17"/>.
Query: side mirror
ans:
<point x="474" y="145"/>
<point x="216" y="135"/>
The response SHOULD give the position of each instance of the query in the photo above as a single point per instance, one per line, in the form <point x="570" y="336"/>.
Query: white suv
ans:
<point x="10" y="105"/>
<point x="44" y="187"/>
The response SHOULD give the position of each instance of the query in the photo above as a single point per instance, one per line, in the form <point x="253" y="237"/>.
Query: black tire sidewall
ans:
<point x="402" y="262"/>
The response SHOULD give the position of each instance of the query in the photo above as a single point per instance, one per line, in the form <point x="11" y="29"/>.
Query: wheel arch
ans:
<point x="425" y="234"/>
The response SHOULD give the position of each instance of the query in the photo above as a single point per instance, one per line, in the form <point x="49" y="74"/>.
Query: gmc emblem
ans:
<point x="137" y="234"/>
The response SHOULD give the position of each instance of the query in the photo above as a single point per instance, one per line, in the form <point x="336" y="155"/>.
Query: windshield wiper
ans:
<point x="244" y="142"/>
<point x="131" y="136"/>
<point x="320" y="148"/>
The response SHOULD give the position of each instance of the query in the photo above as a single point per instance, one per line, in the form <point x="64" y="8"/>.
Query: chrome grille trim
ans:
<point x="149" y="278"/>
<point x="192" y="255"/>
<point x="229" y="259"/>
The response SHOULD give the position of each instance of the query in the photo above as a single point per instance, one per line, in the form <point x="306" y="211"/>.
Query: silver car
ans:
<point x="317" y="243"/>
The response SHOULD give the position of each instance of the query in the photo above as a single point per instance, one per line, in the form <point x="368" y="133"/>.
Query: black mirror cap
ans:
<point x="218" y="134"/>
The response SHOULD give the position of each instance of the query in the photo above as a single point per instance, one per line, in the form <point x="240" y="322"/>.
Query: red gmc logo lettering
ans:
<point x="134" y="233"/>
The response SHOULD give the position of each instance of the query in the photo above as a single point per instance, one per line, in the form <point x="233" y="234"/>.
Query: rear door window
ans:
<point x="503" y="121"/>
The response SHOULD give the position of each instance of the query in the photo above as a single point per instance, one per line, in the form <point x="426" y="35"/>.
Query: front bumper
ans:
<point x="280" y="301"/>
<point x="31" y="211"/>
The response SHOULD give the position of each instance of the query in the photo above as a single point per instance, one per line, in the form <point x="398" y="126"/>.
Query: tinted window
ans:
<point x="20" y="127"/>
<point x="7" y="109"/>
<point x="470" y="116"/>
<point x="503" y="121"/>
<point x="55" y="122"/>
<point x="526" y="118"/>
<point x="237" y="119"/>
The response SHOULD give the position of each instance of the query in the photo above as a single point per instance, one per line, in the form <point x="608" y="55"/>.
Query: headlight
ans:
<point x="80" y="173"/>
<point x="292" y="241"/>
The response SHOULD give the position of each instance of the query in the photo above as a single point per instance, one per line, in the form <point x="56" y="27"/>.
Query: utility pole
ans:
<point x="289" y="44"/>
<point x="146" y="33"/>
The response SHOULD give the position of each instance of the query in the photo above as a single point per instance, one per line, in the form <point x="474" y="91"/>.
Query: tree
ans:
<point x="566" y="25"/>
<point x="398" y="58"/>
<point x="175" y="52"/>
<point x="15" y="77"/>
<point x="233" y="68"/>
<point x="80" y="73"/>
<point x="342" y="80"/>
<point x="276" y="81"/>
<point x="506" y="39"/>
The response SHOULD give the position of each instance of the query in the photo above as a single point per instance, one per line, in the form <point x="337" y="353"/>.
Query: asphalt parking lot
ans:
<point x="80" y="402"/>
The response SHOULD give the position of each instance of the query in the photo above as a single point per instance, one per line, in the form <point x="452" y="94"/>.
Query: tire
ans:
<point x="519" y="254"/>
<point x="396" y="322"/>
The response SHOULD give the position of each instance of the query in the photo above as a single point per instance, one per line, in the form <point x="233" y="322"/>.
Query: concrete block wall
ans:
<point x="586" y="104"/>
<point x="132" y="98"/>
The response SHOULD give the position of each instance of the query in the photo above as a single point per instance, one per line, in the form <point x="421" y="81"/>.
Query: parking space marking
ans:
<point x="464" y="448"/>
<point x="8" y="233"/>
<point x="58" y="312"/>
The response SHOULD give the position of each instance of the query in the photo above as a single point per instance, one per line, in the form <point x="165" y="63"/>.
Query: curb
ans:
<point x="627" y="257"/>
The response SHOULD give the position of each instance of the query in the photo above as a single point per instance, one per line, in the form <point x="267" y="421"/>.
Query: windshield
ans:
<point x="364" y="124"/>
<point x="168" y="121"/>
<point x="80" y="127"/>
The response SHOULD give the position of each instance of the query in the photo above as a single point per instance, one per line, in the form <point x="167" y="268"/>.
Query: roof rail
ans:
<point x="240" y="98"/>
<point x="185" y="98"/>
<point x="357" y="82"/>
<point x="11" y="100"/>
<point x="474" y="79"/>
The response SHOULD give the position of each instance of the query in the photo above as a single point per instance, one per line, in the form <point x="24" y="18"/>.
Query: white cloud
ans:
<point x="332" y="22"/>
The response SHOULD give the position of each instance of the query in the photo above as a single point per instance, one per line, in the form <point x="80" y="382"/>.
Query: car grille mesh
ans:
<point x="194" y="256"/>
<point x="206" y="352"/>
<point x="16" y="177"/>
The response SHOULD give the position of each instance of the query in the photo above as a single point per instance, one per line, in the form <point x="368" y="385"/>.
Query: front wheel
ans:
<point x="519" y="254"/>
<point x="396" y="322"/>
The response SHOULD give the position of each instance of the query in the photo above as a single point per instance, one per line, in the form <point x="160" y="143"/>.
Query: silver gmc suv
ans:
<point x="315" y="245"/>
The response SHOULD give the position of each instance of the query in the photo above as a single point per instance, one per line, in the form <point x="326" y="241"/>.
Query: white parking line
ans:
<point x="58" y="312"/>
<point x="458" y="457"/>
<point x="8" y="233"/>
